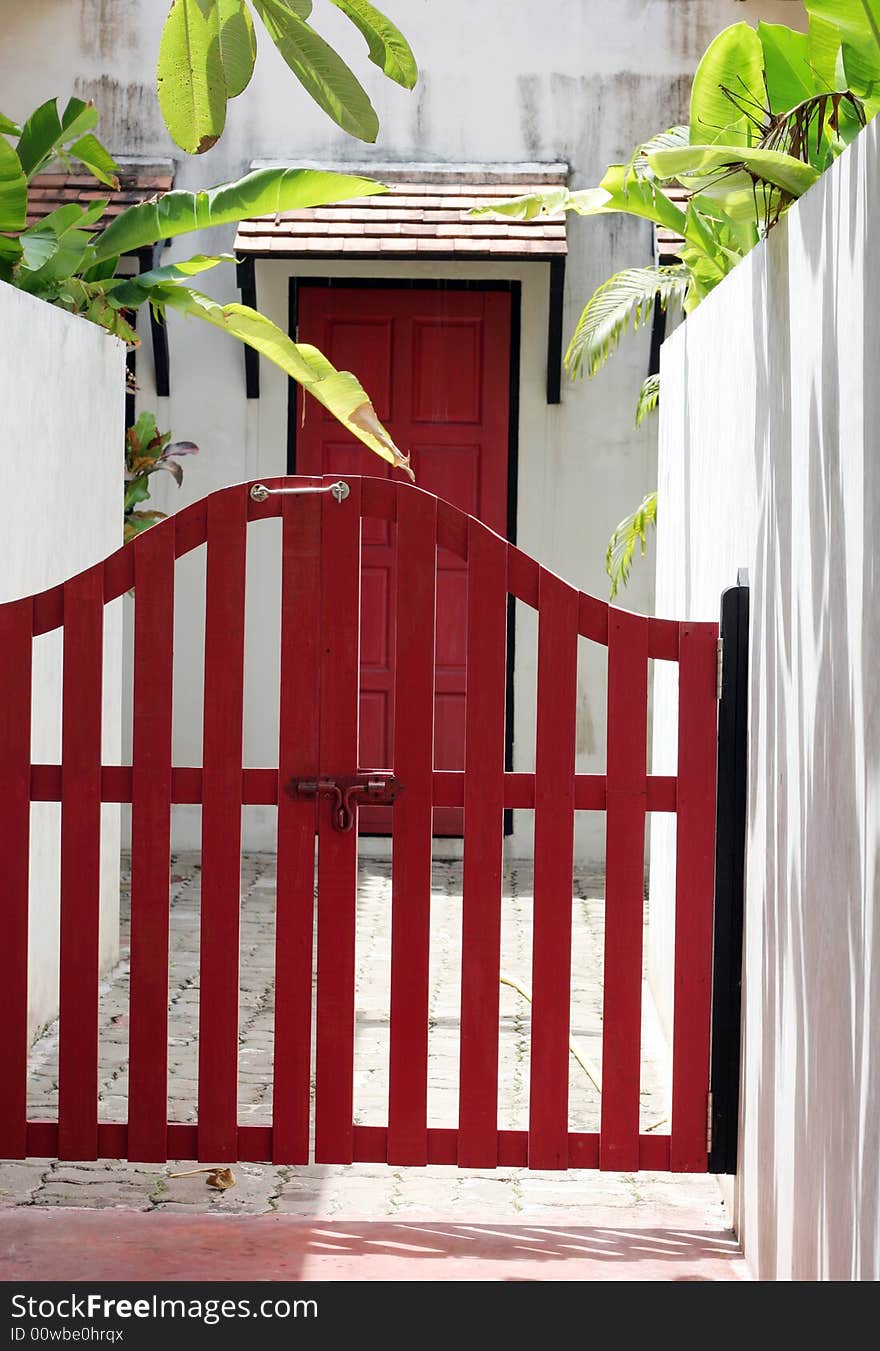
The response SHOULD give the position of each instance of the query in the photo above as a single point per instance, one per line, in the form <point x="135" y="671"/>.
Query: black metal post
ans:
<point x="730" y="839"/>
<point x="246" y="277"/>
<point x="554" y="330"/>
<point x="148" y="258"/>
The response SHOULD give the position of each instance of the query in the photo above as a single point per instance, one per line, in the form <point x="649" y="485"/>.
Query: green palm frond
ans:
<point x="627" y="296"/>
<point x="672" y="139"/>
<point x="649" y="398"/>
<point x="632" y="532"/>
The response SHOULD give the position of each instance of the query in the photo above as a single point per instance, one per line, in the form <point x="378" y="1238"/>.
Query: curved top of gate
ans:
<point x="378" y="499"/>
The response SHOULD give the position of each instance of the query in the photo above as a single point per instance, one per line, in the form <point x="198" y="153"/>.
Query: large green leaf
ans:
<point x="90" y="153"/>
<point x="55" y="252"/>
<point x="826" y="55"/>
<point x="339" y="391"/>
<point x="263" y="192"/>
<point x="42" y="241"/>
<point x="858" y="23"/>
<point x="547" y="203"/>
<point x="787" y="64"/>
<point x="10" y="253"/>
<point x="190" y="76"/>
<point x="65" y="262"/>
<point x="735" y="196"/>
<point x="319" y="69"/>
<point x="621" y="190"/>
<point x="736" y="232"/>
<point x="699" y="161"/>
<point x="734" y="62"/>
<point x="70" y="216"/>
<point x="132" y="292"/>
<point x="640" y="197"/>
<point x="704" y="254"/>
<point x="37" y="247"/>
<point x="44" y="133"/>
<point x="13" y="189"/>
<point x="238" y="46"/>
<point x="389" y="49"/>
<point x="628" y="297"/>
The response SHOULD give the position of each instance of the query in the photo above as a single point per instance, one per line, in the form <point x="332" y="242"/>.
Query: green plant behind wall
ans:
<point x="770" y="110"/>
<point x="147" y="452"/>
<point x="67" y="260"/>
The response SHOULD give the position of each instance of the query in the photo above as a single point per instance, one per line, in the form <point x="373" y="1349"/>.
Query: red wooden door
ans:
<point x="436" y="365"/>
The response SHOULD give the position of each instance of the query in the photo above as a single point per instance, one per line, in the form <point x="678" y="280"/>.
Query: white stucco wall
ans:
<point x="62" y="392"/>
<point x="577" y="81"/>
<point x="770" y="459"/>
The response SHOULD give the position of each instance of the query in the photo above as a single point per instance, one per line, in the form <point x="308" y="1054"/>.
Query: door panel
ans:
<point x="436" y="366"/>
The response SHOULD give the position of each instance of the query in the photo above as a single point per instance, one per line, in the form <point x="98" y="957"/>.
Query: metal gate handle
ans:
<point x="381" y="789"/>
<point x="340" y="490"/>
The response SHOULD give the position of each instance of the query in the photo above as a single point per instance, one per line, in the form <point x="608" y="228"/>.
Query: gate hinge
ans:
<point x="719" y="668"/>
<point x="709" y="1123"/>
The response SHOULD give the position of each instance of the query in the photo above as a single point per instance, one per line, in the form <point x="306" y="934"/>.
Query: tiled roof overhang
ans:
<point x="424" y="217"/>
<point x="138" y="182"/>
<point x="411" y="220"/>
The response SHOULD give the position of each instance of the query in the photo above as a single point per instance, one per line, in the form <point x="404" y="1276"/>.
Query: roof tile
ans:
<point x="51" y="190"/>
<point x="421" y="217"/>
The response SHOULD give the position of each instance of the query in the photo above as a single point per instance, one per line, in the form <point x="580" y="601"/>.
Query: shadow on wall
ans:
<point x="813" y="946"/>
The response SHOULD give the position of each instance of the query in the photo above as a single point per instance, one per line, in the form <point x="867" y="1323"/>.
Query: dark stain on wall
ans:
<point x="107" y="26"/>
<point x="529" y="88"/>
<point x="129" y="114"/>
<point x="421" y="132"/>
<point x="598" y="121"/>
<point x="591" y="121"/>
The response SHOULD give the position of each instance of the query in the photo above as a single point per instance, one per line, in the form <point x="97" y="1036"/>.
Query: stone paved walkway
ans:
<point x="363" y="1191"/>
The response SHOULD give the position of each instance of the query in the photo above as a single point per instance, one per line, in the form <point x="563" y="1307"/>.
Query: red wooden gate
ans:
<point x="315" y="784"/>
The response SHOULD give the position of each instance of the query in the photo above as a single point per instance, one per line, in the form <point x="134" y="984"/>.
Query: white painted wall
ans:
<point x="770" y="459"/>
<point x="576" y="80"/>
<point x="62" y="392"/>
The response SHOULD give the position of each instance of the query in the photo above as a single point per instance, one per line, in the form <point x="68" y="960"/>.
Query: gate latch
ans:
<point x="377" y="789"/>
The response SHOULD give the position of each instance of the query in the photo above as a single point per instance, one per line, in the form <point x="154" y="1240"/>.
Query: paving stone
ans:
<point x="103" y="1194"/>
<point x="18" y="1180"/>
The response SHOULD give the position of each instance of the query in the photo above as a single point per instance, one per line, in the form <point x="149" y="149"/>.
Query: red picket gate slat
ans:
<point x="412" y="817"/>
<point x="483" y="824"/>
<point x="81" y="710"/>
<point x="695" y="869"/>
<point x="16" y="645"/>
<point x="318" y="745"/>
<point x="554" y="868"/>
<point x="151" y="845"/>
<point x="627" y="742"/>
<point x="221" y="826"/>
<point x="337" y="850"/>
<point x="297" y="760"/>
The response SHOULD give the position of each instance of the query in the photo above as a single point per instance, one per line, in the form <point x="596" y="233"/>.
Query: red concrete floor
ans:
<point x="52" y="1243"/>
